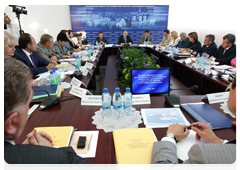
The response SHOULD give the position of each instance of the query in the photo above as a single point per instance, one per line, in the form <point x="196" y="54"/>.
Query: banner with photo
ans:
<point x="112" y="20"/>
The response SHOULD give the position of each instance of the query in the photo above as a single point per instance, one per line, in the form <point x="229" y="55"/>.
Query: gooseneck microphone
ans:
<point x="173" y="99"/>
<point x="76" y="73"/>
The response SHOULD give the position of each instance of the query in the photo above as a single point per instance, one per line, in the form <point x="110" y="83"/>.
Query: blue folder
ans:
<point x="51" y="89"/>
<point x="206" y="114"/>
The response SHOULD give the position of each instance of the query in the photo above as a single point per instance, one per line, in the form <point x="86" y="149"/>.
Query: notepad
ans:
<point x="51" y="89"/>
<point x="61" y="135"/>
<point x="134" y="146"/>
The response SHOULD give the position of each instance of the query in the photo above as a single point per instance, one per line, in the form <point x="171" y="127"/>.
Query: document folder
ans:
<point x="206" y="114"/>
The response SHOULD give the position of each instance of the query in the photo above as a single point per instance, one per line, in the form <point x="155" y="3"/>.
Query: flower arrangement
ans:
<point x="133" y="58"/>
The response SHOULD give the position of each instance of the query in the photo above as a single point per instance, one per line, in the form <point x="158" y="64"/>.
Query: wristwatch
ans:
<point x="171" y="135"/>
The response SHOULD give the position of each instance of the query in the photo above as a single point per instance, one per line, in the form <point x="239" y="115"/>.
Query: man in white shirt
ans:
<point x="11" y="28"/>
<point x="166" y="38"/>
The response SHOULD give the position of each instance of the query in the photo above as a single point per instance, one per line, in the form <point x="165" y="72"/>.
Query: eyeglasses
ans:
<point x="10" y="46"/>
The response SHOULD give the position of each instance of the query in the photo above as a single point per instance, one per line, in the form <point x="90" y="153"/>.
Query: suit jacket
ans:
<point x="183" y="44"/>
<point x="227" y="56"/>
<point x="69" y="47"/>
<point x="167" y="40"/>
<point x="165" y="152"/>
<point x="34" y="154"/>
<point x="121" y="39"/>
<point x="196" y="46"/>
<point x="84" y="42"/>
<point x="59" y="50"/>
<point x="40" y="63"/>
<point x="44" y="53"/>
<point x="143" y="38"/>
<point x="98" y="40"/>
<point x="210" y="50"/>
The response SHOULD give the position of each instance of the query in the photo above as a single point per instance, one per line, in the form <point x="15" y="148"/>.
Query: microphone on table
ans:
<point x="173" y="99"/>
<point x="76" y="73"/>
<point x="49" y="101"/>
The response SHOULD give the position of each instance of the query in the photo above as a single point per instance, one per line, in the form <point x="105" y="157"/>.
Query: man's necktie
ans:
<point x="224" y="51"/>
<point x="34" y="65"/>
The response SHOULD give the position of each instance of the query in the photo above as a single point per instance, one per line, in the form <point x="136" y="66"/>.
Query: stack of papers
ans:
<point x="163" y="117"/>
<point x="224" y="106"/>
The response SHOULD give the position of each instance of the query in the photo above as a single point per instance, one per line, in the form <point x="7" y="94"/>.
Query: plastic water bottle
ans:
<point x="89" y="52"/>
<point x="96" y="43"/>
<point x="117" y="100"/>
<point x="76" y="63"/>
<point x="127" y="99"/>
<point x="52" y="78"/>
<point x="106" y="101"/>
<point x="58" y="75"/>
<point x="208" y="67"/>
<point x="201" y="62"/>
<point x="167" y="47"/>
<point x="79" y="62"/>
<point x="204" y="62"/>
<point x="145" y="42"/>
<point x="197" y="61"/>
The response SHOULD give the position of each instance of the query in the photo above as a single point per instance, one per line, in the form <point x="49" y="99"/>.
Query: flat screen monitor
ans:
<point x="150" y="81"/>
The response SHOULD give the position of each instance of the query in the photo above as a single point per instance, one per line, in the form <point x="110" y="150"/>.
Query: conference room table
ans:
<point x="72" y="113"/>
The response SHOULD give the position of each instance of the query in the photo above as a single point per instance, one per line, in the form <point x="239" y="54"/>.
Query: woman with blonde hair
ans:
<point x="175" y="38"/>
<point x="10" y="41"/>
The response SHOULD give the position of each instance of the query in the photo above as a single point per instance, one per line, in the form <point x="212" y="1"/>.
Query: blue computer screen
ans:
<point x="150" y="80"/>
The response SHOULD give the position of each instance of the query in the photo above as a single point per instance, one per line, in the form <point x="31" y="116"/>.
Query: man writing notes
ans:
<point x="209" y="48"/>
<point x="125" y="39"/>
<point x="37" y="148"/>
<point x="44" y="48"/>
<point x="146" y="38"/>
<point x="101" y="39"/>
<point x="167" y="38"/>
<point x="26" y="53"/>
<point x="227" y="51"/>
<point x="216" y="151"/>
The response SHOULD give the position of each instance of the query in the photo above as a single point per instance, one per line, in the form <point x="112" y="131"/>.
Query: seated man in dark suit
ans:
<point x="37" y="148"/>
<point x="43" y="49"/>
<point x="227" y="51"/>
<point x="26" y="53"/>
<point x="101" y="39"/>
<point x="209" y="48"/>
<point x="184" y="43"/>
<point x="216" y="152"/>
<point x="146" y="38"/>
<point x="125" y="39"/>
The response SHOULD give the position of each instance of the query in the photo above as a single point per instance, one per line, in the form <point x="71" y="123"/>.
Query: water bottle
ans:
<point x="55" y="75"/>
<point x="89" y="52"/>
<point x="76" y="63"/>
<point x="58" y="75"/>
<point x="117" y="100"/>
<point x="208" y="67"/>
<point x="167" y="47"/>
<point x="106" y="100"/>
<point x="127" y="99"/>
<point x="197" y="61"/>
<point x="204" y="62"/>
<point x="201" y="62"/>
<point x="96" y="43"/>
<point x="144" y="42"/>
<point x="52" y="78"/>
<point x="79" y="62"/>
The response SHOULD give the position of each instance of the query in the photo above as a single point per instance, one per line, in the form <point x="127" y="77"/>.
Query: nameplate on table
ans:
<point x="94" y="100"/>
<point x="218" y="97"/>
<point x="187" y="61"/>
<point x="78" y="91"/>
<point x="76" y="82"/>
<point x="89" y="65"/>
<point x="84" y="71"/>
<point x="141" y="99"/>
<point x="93" y="57"/>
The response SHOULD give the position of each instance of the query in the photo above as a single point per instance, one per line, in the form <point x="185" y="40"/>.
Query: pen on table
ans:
<point x="189" y="127"/>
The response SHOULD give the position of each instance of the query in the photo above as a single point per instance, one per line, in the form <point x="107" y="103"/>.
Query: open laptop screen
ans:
<point x="151" y="81"/>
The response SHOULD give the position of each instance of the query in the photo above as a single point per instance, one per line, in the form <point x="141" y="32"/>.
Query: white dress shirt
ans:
<point x="28" y="54"/>
<point x="13" y="29"/>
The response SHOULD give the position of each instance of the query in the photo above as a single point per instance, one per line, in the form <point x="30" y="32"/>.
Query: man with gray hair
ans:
<point x="43" y="49"/>
<point x="227" y="51"/>
<point x="209" y="48"/>
<point x="184" y="43"/>
<point x="37" y="148"/>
